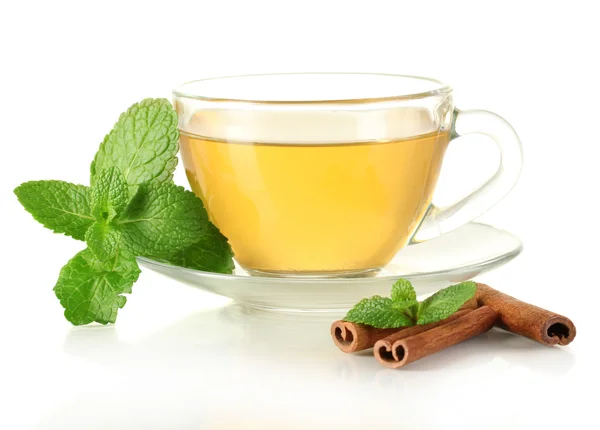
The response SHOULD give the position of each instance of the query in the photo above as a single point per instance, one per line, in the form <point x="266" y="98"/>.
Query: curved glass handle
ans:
<point x="438" y="221"/>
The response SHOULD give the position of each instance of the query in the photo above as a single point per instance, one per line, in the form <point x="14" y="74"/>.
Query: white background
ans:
<point x="69" y="68"/>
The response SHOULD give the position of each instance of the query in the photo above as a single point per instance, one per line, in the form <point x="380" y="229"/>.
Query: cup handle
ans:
<point x="438" y="221"/>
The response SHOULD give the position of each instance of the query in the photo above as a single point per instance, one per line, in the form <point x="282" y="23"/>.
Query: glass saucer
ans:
<point x="453" y="257"/>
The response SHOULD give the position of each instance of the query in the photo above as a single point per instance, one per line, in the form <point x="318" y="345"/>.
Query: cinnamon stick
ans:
<point x="353" y="337"/>
<point x="526" y="319"/>
<point x="384" y="348"/>
<point x="412" y="348"/>
<point x="470" y="304"/>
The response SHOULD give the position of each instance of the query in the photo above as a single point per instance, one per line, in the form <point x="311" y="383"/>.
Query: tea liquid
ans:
<point x="315" y="207"/>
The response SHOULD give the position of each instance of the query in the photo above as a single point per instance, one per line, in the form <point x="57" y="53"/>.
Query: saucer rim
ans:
<point x="480" y="266"/>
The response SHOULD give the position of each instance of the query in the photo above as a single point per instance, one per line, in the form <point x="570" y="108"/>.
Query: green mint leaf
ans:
<point x="378" y="312"/>
<point x="103" y="240"/>
<point x="445" y="302"/>
<point x="109" y="194"/>
<point x="413" y="310"/>
<point x="142" y="144"/>
<point x="403" y="293"/>
<point x="91" y="290"/>
<point x="161" y="220"/>
<point x="211" y="254"/>
<point x="59" y="206"/>
<point x="407" y="307"/>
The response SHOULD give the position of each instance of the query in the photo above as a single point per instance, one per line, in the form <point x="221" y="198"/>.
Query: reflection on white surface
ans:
<point x="234" y="368"/>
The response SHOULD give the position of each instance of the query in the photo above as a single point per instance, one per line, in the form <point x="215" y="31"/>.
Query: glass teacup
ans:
<point x="330" y="174"/>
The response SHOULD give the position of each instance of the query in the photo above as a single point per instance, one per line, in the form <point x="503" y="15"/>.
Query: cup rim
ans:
<point x="442" y="88"/>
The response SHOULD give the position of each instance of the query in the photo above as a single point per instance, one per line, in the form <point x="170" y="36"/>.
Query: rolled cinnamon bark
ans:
<point x="526" y="319"/>
<point x="412" y="348"/>
<point x="384" y="348"/>
<point x="470" y="304"/>
<point x="353" y="337"/>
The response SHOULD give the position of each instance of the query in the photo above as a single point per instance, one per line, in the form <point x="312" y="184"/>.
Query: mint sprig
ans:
<point x="131" y="209"/>
<point x="403" y="310"/>
<point x="379" y="312"/>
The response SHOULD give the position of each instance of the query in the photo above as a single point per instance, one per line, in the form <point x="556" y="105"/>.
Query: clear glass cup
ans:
<point x="330" y="174"/>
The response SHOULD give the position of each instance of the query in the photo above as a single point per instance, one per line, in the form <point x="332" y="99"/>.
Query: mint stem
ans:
<point x="409" y="315"/>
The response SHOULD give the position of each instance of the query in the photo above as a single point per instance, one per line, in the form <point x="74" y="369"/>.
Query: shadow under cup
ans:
<point x="314" y="174"/>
